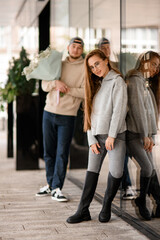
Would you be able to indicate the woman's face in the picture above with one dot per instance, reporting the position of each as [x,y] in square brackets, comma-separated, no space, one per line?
[98,66]
[152,66]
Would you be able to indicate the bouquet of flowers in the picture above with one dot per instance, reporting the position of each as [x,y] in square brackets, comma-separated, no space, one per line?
[45,66]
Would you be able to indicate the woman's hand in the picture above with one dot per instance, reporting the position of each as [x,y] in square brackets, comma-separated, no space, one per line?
[151,145]
[61,86]
[110,143]
[94,148]
[146,143]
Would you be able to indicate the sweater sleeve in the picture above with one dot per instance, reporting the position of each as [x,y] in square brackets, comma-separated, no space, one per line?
[136,102]
[91,139]
[47,86]
[119,101]
[77,92]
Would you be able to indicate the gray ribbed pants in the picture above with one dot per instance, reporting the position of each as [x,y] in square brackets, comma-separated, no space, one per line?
[116,156]
[136,149]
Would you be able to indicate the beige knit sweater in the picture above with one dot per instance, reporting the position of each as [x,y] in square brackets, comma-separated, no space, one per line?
[73,75]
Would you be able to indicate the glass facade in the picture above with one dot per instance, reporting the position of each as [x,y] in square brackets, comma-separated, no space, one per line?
[131,27]
[89,19]
[140,29]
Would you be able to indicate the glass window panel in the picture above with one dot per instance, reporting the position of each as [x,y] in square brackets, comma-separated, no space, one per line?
[140,33]
[140,28]
[69,19]
[105,19]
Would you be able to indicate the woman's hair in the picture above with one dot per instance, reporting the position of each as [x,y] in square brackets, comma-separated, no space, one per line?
[92,85]
[143,58]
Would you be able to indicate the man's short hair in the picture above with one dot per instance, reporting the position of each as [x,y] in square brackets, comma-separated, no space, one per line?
[76,40]
[103,41]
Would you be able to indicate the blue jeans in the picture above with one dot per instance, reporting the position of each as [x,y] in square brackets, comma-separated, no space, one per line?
[57,135]
[126,181]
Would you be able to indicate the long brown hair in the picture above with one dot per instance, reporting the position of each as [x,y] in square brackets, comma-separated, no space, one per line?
[92,85]
[143,58]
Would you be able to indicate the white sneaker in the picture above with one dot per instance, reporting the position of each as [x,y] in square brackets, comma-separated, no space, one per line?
[129,194]
[44,191]
[57,195]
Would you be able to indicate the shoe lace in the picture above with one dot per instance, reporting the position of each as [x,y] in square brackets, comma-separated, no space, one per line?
[129,191]
[59,193]
[45,188]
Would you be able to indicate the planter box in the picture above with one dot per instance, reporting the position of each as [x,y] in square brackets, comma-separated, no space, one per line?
[27,132]
[79,146]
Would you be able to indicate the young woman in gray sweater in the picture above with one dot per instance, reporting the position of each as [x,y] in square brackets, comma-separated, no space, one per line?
[104,120]
[141,125]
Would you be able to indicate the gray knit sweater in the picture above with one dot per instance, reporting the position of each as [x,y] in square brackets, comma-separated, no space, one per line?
[141,115]
[109,108]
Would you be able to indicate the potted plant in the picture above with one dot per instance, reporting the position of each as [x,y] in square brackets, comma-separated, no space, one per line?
[19,89]
[17,85]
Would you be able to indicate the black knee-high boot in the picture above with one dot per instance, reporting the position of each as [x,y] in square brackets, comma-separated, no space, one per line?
[112,188]
[141,200]
[89,188]
[154,189]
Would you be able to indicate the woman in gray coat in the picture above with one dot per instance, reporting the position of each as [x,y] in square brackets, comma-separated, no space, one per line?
[104,120]
[141,125]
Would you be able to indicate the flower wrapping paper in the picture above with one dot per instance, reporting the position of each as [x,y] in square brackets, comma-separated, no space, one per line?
[45,66]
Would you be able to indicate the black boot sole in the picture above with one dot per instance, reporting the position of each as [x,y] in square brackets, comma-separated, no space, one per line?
[88,218]
[104,219]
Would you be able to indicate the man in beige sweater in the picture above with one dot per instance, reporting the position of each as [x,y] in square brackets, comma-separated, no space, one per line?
[62,103]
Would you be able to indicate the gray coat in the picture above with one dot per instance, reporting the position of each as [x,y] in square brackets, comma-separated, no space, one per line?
[141,115]
[109,108]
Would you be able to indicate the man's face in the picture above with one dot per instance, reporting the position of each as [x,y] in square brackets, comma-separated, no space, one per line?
[106,49]
[75,50]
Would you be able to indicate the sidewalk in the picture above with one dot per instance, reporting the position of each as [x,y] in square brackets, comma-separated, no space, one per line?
[25,216]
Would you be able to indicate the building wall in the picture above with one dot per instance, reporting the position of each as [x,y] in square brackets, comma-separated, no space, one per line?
[132,26]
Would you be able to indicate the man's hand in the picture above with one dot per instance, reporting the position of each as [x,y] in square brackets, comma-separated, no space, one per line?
[110,143]
[61,86]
